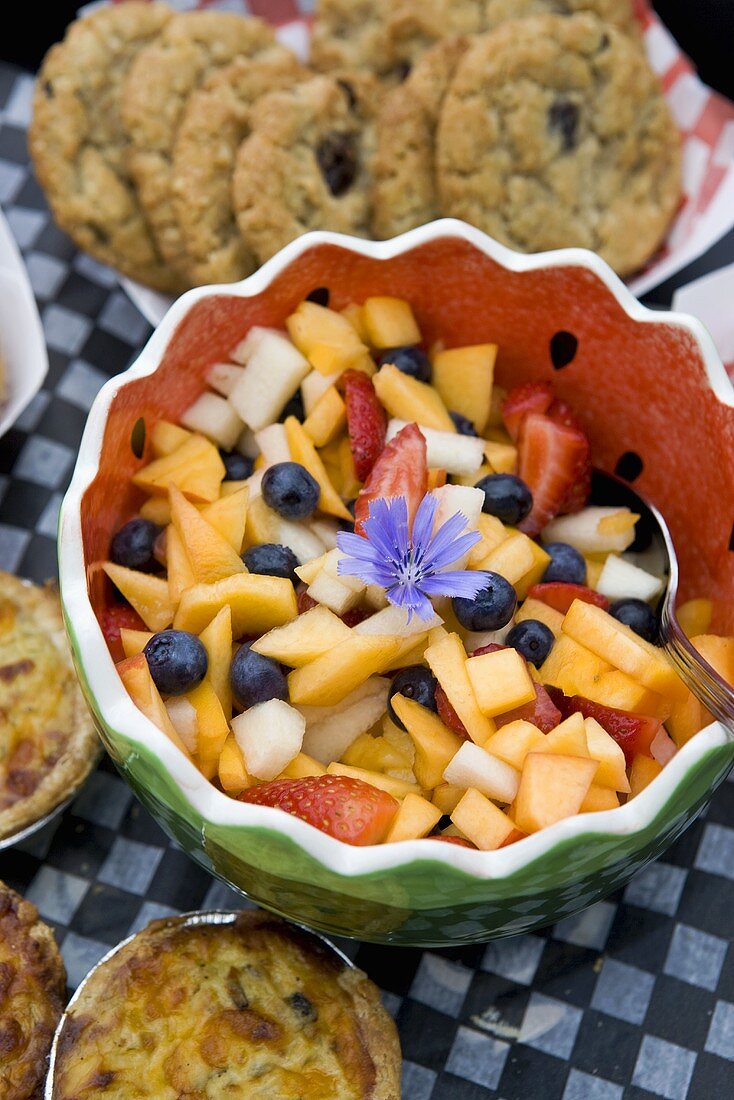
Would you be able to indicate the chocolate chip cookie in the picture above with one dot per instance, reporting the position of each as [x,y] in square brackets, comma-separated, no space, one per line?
[214,124]
[190,49]
[308,162]
[555,132]
[404,165]
[79,146]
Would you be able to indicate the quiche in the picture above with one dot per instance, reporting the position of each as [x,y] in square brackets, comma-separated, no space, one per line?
[32,993]
[47,741]
[248,1008]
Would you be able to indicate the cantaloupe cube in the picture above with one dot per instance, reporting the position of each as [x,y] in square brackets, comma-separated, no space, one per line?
[147,594]
[481,822]
[314,386]
[327,680]
[195,467]
[618,690]
[513,558]
[463,377]
[493,533]
[353,314]
[551,787]
[389,322]
[301,767]
[135,675]
[231,769]
[327,339]
[436,479]
[495,411]
[157,510]
[349,482]
[502,457]
[228,516]
[415,818]
[472,766]
[598,798]
[593,571]
[611,772]
[500,681]
[642,772]
[258,603]
[408,399]
[614,642]
[537,609]
[513,741]
[331,358]
[134,641]
[375,754]
[695,616]
[446,658]
[572,667]
[719,652]
[217,641]
[212,725]
[180,574]
[167,437]
[398,788]
[686,718]
[327,418]
[568,738]
[446,797]
[435,745]
[211,556]
[304,639]
[261,523]
[303,451]
[541,560]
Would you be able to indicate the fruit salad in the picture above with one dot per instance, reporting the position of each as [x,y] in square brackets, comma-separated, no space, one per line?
[366,586]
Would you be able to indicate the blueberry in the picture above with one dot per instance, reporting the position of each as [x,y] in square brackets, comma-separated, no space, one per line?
[177,661]
[290,490]
[272,560]
[409,359]
[463,424]
[237,467]
[415,683]
[567,565]
[532,639]
[506,496]
[490,609]
[133,544]
[255,679]
[294,408]
[638,616]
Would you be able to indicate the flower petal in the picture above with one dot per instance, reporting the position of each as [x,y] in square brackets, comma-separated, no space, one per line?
[423,523]
[354,546]
[411,599]
[440,551]
[370,573]
[458,582]
[460,546]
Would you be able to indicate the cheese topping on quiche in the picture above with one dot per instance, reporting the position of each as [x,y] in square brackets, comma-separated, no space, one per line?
[252,1009]
[47,741]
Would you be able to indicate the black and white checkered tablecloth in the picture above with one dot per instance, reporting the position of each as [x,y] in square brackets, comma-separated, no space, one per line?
[632,998]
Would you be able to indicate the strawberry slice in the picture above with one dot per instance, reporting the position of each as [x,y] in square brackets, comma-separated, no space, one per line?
[114,619]
[527,398]
[542,712]
[551,458]
[347,809]
[447,714]
[634,733]
[366,421]
[560,595]
[401,470]
[560,412]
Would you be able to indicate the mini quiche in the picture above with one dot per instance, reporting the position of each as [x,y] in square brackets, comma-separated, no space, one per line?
[32,988]
[250,1008]
[47,741]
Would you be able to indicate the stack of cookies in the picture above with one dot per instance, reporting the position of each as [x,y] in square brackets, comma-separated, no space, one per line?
[188,148]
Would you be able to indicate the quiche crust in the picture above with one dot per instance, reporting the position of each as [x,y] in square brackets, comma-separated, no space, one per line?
[48,743]
[253,1007]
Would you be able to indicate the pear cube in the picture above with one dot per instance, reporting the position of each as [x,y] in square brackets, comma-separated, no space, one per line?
[273,373]
[456,454]
[269,735]
[473,767]
[331,730]
[215,418]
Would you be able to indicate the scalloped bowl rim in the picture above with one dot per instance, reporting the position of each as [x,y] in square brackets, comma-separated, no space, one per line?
[119,713]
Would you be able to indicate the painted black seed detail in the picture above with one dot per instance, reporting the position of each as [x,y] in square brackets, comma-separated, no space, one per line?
[338,161]
[137,438]
[731,539]
[563,348]
[629,466]
[563,119]
[302,1006]
[320,295]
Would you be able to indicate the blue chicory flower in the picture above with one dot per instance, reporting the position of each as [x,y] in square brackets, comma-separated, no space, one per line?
[411,565]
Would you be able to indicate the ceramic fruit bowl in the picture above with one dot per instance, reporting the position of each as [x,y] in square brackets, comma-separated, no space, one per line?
[657,405]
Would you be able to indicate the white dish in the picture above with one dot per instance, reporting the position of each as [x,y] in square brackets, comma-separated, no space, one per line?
[22,343]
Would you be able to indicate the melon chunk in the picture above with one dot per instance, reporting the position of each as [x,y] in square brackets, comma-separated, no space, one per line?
[389,322]
[474,767]
[718,652]
[314,386]
[211,556]
[463,378]
[447,797]
[301,767]
[303,451]
[211,724]
[258,603]
[379,755]
[614,642]
[262,525]
[493,532]
[269,735]
[326,419]
[394,620]
[502,457]
[215,418]
[408,399]
[500,681]
[598,798]
[180,573]
[513,558]
[231,768]
[513,741]
[543,612]
[327,680]
[273,373]
[611,772]
[572,667]
[195,467]
[147,594]
[228,516]
[446,658]
[398,788]
[331,730]
[551,788]
[569,739]
[303,639]
[135,675]
[449,451]
[435,745]
[223,377]
[621,580]
[415,818]
[167,437]
[594,530]
[642,772]
[134,641]
[481,822]
[328,340]
[217,641]
[695,616]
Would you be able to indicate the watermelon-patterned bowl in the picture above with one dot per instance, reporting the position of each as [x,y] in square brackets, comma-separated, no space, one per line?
[646,384]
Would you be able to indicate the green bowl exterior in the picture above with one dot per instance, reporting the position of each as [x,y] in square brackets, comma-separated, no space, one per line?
[399,905]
